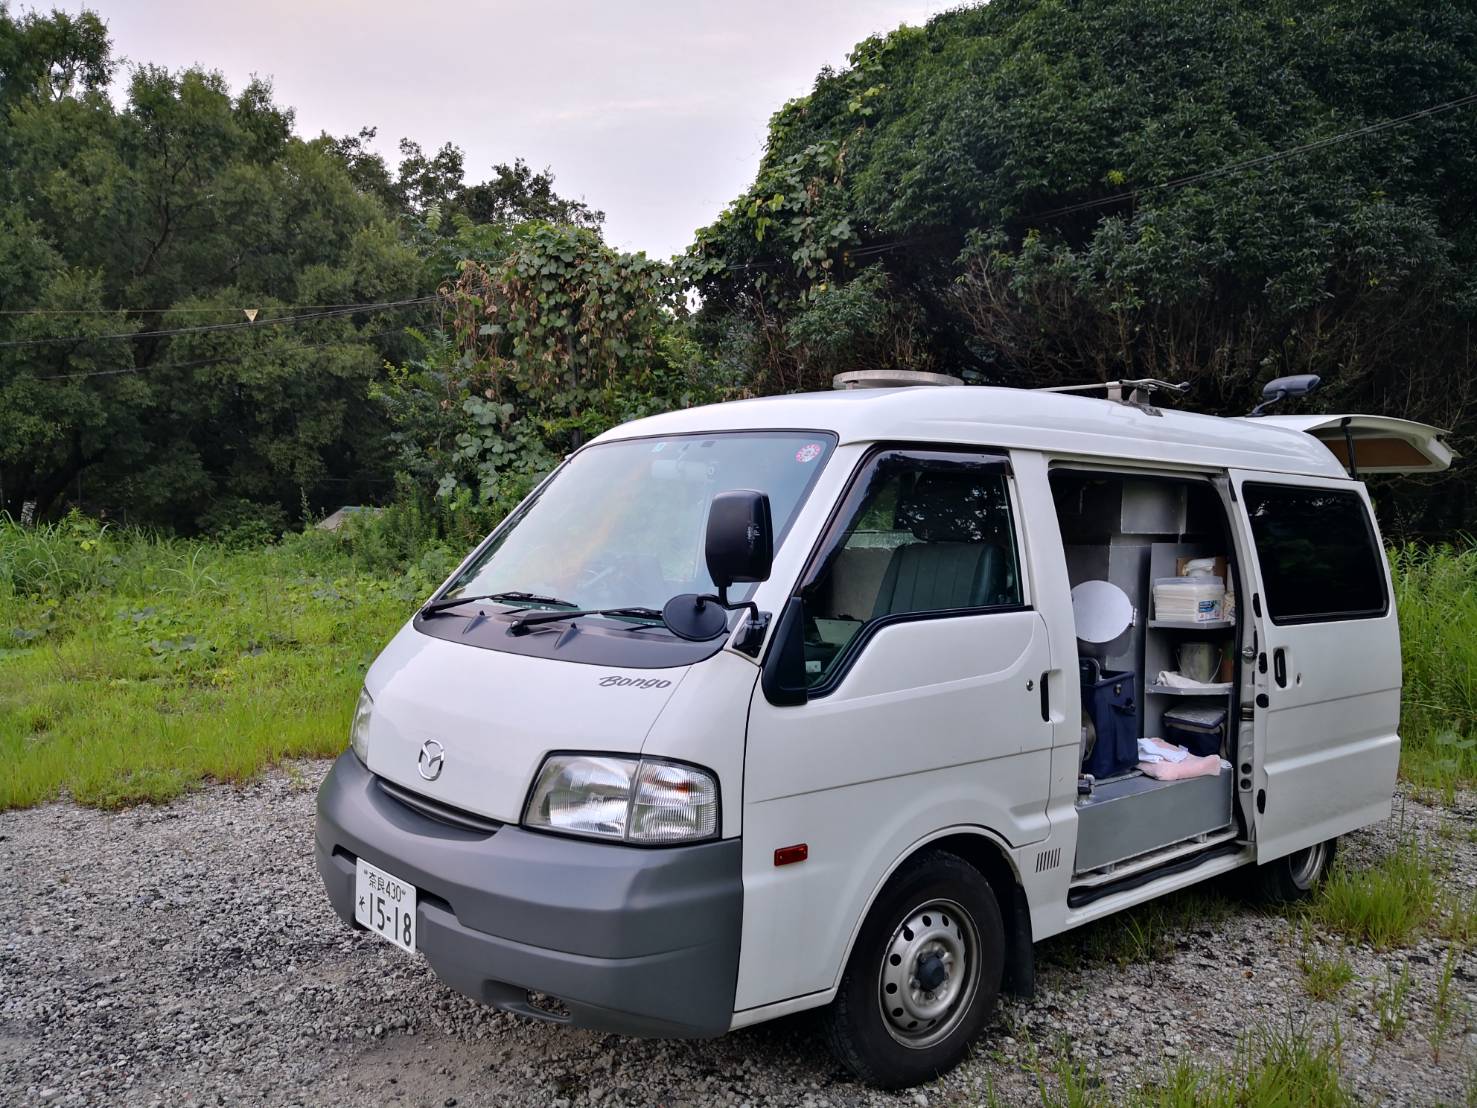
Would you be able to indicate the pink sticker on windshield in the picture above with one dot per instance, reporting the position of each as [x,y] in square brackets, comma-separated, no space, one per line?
[809,452]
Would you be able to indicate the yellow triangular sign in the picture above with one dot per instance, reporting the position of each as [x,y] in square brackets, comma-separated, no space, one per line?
[250,314]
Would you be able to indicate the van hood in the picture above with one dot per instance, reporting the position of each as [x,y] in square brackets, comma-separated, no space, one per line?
[496,715]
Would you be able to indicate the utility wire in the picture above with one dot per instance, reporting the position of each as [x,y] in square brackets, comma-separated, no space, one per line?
[175,311]
[1261,160]
[347,340]
[874,249]
[208,328]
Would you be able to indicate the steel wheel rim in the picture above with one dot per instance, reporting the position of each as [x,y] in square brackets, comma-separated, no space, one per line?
[937,936]
[1307,865]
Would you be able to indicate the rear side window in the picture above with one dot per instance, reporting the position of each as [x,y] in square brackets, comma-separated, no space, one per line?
[1317,553]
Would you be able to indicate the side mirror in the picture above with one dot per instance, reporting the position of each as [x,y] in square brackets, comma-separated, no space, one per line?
[740,548]
[740,541]
[1300,384]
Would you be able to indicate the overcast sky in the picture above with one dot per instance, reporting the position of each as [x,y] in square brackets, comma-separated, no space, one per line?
[652,110]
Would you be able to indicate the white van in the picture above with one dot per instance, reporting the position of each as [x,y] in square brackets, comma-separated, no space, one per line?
[783,703]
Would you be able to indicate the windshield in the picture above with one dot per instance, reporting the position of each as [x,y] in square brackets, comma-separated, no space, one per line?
[623,523]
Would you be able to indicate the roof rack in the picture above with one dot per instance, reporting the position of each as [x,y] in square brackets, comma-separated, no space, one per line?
[1137,393]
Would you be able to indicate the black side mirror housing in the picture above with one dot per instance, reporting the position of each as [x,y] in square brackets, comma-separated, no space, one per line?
[740,539]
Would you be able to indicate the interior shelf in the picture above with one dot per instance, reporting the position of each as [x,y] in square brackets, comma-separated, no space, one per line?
[1204,690]
[1185,625]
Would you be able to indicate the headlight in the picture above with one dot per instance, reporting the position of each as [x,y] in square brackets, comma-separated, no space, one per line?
[638,800]
[359,729]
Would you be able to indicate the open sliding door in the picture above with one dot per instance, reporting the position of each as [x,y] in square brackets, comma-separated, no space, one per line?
[1327,667]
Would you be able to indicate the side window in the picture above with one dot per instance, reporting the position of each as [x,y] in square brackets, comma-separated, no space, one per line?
[920,533]
[1317,553]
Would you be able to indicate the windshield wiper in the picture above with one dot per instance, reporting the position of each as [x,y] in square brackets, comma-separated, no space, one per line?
[533,619]
[497,597]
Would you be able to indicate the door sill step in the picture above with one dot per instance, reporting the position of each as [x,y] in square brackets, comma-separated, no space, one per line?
[1153,859]
[1079,896]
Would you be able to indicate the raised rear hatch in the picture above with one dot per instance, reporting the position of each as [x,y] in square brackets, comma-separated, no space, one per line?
[1380,444]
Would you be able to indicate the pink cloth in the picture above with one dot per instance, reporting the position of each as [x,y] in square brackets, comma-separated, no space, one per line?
[1193,766]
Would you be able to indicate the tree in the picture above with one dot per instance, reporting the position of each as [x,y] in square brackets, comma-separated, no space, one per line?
[152,226]
[1002,194]
[544,345]
[48,57]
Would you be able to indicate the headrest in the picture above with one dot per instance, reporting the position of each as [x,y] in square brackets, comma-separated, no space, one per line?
[951,507]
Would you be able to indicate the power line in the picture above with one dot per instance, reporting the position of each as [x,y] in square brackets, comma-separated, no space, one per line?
[874,249]
[222,359]
[1252,163]
[210,328]
[174,310]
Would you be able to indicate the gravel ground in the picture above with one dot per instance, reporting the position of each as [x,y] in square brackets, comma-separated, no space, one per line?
[143,964]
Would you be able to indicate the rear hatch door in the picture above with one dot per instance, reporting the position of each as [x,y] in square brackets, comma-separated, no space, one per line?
[1380,444]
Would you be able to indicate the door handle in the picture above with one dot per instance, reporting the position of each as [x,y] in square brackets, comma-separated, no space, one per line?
[1045,696]
[1279,667]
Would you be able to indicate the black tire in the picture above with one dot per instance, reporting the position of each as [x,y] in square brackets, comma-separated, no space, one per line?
[960,949]
[1294,877]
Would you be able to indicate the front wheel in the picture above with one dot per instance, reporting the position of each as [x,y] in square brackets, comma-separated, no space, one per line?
[924,976]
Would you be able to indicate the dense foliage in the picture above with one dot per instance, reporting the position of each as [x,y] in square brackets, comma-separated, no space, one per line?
[984,196]
[1028,193]
[548,340]
[186,208]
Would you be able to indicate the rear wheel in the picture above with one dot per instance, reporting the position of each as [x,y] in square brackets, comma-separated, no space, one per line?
[924,976]
[1297,875]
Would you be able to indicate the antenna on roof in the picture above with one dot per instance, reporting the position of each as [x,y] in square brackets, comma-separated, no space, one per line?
[1137,393]
[1282,387]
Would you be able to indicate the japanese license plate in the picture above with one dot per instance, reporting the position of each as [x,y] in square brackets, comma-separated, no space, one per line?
[385,904]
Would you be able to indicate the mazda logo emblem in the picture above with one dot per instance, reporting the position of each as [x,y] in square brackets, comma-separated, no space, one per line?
[432,757]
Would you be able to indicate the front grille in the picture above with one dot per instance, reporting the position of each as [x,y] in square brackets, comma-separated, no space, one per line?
[434,809]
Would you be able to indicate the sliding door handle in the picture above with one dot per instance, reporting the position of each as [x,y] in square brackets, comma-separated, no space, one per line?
[1279,667]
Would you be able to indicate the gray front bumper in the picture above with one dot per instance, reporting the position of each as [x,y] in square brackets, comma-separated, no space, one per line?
[631,940]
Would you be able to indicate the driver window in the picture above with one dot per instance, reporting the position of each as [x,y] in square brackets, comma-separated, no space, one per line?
[923,534]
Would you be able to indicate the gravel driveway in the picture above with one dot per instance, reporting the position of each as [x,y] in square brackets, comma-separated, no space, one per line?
[186,954]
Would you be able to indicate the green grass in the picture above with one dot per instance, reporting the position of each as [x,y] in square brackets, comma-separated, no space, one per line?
[1151,932]
[1458,917]
[1436,593]
[132,667]
[1385,905]
[1273,1069]
[1325,978]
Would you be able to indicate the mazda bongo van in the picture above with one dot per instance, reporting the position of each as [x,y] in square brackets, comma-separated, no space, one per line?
[845,700]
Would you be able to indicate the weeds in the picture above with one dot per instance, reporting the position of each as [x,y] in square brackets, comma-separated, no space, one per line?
[1436,593]
[1448,1014]
[146,665]
[1151,932]
[1390,1004]
[1384,905]
[1458,917]
[1325,978]
[1283,1068]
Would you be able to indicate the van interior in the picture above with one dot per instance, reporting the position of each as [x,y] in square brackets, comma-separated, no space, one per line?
[1150,561]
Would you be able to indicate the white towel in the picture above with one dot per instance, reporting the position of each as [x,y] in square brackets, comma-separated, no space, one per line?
[1157,750]
[1174,679]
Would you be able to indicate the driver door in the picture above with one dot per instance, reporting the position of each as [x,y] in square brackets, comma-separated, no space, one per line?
[924,658]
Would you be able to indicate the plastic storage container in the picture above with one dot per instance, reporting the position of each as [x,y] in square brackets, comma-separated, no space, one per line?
[1108,701]
[1200,730]
[1189,599]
